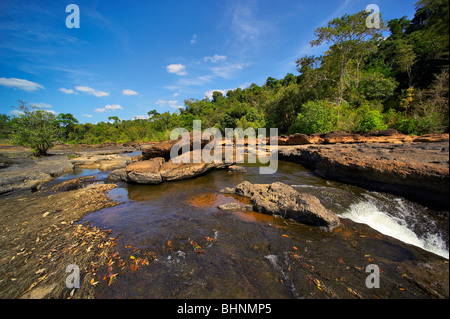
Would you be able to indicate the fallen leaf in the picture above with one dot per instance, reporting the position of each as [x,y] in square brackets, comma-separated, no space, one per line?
[93,283]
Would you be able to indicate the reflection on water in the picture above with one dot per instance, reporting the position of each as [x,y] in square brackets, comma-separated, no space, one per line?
[203,252]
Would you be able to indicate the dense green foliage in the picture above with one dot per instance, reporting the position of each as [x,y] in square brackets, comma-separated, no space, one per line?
[365,81]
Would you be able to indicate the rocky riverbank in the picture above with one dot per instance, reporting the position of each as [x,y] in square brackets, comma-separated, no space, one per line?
[416,167]
[22,174]
[40,238]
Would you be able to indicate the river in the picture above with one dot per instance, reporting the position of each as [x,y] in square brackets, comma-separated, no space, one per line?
[182,246]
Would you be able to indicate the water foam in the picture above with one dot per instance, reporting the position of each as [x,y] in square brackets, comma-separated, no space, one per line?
[368,213]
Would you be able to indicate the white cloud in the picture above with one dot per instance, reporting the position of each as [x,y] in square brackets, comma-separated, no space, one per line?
[109,107]
[215,58]
[42,105]
[67,91]
[227,71]
[20,84]
[178,69]
[172,104]
[89,90]
[129,92]
[87,115]
[209,93]
[176,94]
[141,117]
[197,81]
[16,112]
[194,39]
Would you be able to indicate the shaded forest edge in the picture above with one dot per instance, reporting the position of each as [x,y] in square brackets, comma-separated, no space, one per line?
[366,81]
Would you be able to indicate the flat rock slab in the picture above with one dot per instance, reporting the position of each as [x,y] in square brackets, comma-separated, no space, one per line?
[419,171]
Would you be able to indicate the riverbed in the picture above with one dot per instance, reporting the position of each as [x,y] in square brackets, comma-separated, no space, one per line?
[173,242]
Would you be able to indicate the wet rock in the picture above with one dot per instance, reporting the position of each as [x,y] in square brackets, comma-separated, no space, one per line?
[118,175]
[236,169]
[74,184]
[27,175]
[231,207]
[281,199]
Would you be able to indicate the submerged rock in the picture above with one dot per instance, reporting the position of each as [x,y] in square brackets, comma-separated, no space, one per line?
[236,169]
[281,199]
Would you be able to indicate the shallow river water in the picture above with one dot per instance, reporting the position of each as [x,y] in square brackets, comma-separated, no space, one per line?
[183,246]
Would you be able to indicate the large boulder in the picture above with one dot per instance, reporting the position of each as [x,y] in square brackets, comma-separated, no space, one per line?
[157,170]
[145,172]
[281,199]
[162,149]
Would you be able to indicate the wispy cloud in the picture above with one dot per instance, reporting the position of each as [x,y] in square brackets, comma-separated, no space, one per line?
[178,69]
[215,58]
[248,28]
[22,84]
[91,91]
[109,107]
[141,117]
[67,91]
[227,71]
[42,105]
[87,115]
[194,39]
[200,80]
[172,104]
[129,92]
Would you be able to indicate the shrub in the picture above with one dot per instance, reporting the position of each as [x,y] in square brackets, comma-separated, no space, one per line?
[315,117]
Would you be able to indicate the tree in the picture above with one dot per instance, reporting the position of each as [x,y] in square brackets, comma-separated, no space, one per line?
[67,122]
[398,27]
[4,126]
[404,59]
[351,39]
[35,128]
[285,107]
[217,96]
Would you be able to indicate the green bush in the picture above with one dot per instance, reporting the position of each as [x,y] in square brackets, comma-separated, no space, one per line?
[371,120]
[316,117]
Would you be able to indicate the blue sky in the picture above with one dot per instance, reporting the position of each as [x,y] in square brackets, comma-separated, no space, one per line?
[130,57]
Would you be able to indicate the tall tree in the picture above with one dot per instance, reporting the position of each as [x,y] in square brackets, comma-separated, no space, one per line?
[351,39]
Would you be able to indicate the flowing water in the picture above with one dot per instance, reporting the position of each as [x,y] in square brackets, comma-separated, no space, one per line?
[182,246]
